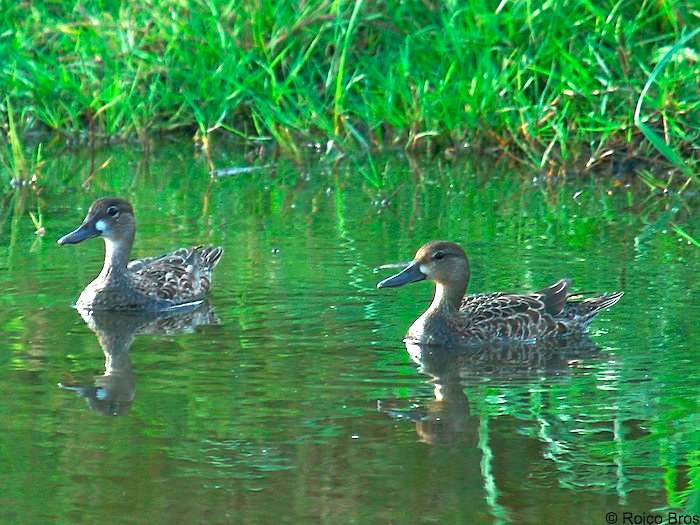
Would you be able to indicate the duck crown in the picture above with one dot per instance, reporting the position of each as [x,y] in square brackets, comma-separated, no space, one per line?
[109,207]
[437,251]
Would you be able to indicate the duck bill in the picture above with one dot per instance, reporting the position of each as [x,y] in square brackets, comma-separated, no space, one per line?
[410,274]
[86,231]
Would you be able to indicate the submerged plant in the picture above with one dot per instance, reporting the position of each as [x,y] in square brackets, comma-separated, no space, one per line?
[22,171]
[38,221]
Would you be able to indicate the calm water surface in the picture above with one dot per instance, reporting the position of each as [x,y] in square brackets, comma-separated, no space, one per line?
[298,402]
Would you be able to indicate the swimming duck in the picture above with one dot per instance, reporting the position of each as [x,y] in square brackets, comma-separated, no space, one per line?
[178,279]
[456,319]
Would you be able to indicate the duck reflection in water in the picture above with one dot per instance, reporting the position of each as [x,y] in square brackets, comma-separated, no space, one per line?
[113,392]
[447,418]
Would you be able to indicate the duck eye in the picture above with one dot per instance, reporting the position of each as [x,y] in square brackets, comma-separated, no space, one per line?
[439,255]
[113,211]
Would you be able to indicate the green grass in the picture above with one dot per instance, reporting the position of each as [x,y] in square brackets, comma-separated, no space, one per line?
[553,84]
[22,171]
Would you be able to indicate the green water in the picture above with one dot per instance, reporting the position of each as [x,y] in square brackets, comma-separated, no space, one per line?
[301,404]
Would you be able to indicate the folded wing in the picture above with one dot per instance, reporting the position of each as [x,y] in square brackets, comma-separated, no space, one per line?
[181,276]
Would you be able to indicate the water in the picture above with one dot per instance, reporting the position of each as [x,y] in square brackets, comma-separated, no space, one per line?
[301,404]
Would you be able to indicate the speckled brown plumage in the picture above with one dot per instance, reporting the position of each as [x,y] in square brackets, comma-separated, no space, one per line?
[175,279]
[485,317]
[455,319]
[183,275]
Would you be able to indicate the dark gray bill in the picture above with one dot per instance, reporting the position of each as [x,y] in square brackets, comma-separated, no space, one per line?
[86,231]
[410,274]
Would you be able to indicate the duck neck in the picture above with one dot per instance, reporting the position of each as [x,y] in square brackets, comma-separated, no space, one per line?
[116,352]
[448,297]
[116,257]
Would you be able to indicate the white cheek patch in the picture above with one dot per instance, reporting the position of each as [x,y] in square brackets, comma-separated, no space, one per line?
[424,269]
[101,226]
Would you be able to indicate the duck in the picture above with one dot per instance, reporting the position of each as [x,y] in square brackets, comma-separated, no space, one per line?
[175,280]
[456,319]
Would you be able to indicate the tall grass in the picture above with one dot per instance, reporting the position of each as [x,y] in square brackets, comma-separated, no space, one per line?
[547,82]
[660,144]
[22,171]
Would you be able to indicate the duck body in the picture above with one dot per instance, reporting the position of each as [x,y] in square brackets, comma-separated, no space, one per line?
[454,319]
[493,317]
[174,280]
[178,279]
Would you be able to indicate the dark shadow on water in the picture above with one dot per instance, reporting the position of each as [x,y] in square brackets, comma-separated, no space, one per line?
[447,418]
[112,393]
[448,422]
[504,360]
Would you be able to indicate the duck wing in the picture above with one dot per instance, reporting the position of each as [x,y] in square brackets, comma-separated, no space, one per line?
[517,316]
[181,276]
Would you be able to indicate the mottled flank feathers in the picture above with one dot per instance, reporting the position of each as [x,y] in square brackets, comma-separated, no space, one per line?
[456,319]
[181,276]
[176,280]
[552,311]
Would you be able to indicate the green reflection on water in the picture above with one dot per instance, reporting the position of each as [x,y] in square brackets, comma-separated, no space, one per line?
[302,404]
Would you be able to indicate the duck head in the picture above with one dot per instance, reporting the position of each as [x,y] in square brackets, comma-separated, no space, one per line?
[110,218]
[442,262]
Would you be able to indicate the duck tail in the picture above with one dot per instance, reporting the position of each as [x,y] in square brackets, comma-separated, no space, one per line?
[211,256]
[583,311]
